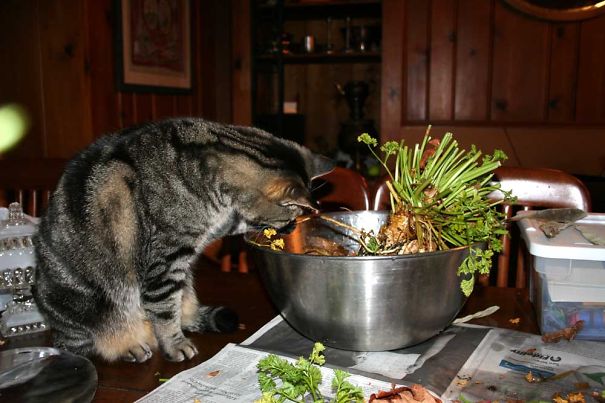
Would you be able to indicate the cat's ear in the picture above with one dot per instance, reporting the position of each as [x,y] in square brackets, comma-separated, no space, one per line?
[321,165]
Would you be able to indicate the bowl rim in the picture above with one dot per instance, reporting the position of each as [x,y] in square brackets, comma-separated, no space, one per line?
[249,242]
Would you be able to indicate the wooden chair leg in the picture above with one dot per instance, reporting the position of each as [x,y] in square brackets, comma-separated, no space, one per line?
[242,263]
[226,263]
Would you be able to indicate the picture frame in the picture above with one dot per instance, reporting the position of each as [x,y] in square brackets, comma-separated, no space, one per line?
[153,46]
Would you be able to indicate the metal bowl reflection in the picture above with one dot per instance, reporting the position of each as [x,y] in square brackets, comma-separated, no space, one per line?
[362,303]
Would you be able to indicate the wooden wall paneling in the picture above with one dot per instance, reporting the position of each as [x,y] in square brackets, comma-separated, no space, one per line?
[223,64]
[144,107]
[520,66]
[392,88]
[563,69]
[105,113]
[128,113]
[66,89]
[184,105]
[241,77]
[196,57]
[591,75]
[20,78]
[207,39]
[473,57]
[442,67]
[165,106]
[417,50]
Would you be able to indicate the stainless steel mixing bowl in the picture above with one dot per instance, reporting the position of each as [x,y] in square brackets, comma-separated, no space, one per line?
[356,302]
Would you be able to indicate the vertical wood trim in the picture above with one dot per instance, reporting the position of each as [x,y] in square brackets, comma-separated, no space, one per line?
[196,101]
[242,54]
[392,68]
[473,57]
[490,67]
[417,27]
[520,61]
[563,72]
[454,61]
[591,73]
[548,70]
[104,98]
[442,55]
[44,134]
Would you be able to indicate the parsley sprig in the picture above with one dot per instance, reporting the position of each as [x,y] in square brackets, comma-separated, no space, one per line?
[282,381]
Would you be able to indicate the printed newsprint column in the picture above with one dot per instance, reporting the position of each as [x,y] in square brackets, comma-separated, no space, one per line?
[498,367]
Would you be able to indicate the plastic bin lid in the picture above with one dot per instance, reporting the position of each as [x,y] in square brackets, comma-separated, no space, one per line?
[569,244]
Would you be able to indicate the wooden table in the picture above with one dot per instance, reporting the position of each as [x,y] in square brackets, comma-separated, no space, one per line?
[126,382]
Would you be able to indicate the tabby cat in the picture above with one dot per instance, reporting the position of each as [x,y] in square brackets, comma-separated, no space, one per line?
[135,208]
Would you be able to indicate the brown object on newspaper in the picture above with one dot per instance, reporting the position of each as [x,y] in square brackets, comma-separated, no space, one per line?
[569,333]
[417,393]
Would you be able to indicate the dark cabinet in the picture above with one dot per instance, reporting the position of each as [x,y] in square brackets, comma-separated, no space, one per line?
[306,56]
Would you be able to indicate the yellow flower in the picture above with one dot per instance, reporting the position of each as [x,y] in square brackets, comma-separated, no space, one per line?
[277,244]
[269,232]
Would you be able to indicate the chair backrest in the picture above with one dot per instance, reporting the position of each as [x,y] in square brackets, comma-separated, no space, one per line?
[29,182]
[342,188]
[534,188]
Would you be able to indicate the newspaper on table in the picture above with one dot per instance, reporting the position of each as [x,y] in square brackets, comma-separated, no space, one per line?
[498,368]
[230,376]
[433,363]
[465,363]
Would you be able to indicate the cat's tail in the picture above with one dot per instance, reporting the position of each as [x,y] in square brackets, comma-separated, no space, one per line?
[218,319]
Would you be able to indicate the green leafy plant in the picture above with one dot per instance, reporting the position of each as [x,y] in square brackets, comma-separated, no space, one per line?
[282,381]
[439,200]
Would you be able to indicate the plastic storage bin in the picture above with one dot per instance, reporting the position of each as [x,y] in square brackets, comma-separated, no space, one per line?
[568,277]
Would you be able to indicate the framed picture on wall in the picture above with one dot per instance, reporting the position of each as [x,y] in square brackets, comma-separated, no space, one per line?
[153,45]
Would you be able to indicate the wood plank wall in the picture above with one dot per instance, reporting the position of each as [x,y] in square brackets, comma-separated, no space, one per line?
[479,61]
[57,60]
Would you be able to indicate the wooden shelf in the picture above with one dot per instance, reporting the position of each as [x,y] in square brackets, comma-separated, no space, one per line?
[306,10]
[317,58]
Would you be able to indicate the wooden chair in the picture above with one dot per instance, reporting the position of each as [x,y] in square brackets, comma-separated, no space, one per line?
[341,189]
[29,182]
[534,188]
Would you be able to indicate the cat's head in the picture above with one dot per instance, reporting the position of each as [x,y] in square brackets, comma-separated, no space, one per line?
[273,177]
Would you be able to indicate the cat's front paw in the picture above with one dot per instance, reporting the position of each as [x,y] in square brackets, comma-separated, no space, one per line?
[180,350]
[140,353]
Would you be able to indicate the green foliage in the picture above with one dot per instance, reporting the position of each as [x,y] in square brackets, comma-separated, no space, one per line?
[446,189]
[345,391]
[282,381]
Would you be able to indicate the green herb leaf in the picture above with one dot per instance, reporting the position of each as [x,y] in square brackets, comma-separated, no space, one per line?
[282,381]
[444,191]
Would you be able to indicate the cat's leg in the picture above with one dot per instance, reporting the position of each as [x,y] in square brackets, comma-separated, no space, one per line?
[130,341]
[202,318]
[162,300]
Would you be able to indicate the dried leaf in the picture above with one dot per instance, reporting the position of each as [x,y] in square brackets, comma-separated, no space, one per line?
[552,228]
[553,214]
[594,234]
[569,333]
